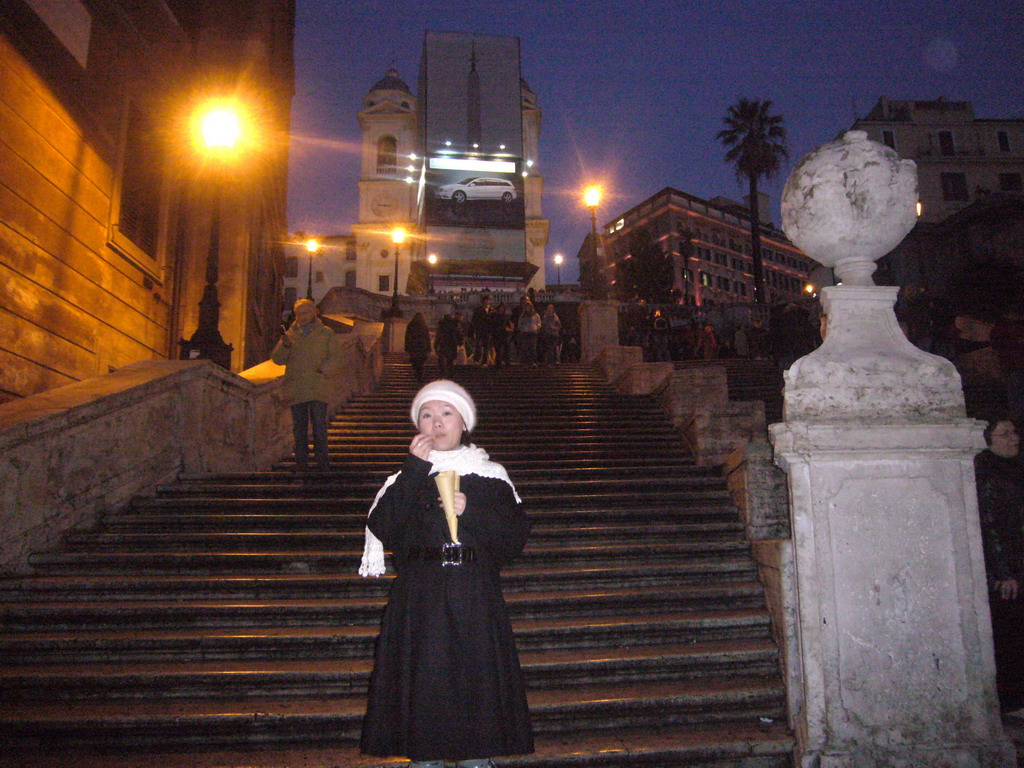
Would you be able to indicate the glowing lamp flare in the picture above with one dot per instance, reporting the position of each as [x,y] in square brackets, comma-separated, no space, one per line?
[558,259]
[221,127]
[312,245]
[398,236]
[432,258]
[592,196]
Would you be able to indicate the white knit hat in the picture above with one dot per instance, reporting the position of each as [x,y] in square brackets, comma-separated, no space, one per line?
[448,392]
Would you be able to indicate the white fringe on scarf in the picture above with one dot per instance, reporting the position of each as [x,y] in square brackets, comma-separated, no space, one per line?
[466,460]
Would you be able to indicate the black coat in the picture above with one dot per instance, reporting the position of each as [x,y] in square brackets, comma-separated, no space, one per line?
[1001,510]
[446,682]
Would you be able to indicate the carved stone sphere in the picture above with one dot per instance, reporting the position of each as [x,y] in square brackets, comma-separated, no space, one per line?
[848,203]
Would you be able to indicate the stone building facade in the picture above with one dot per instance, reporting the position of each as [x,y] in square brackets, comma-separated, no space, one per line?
[394,190]
[106,209]
[959,157]
[709,242]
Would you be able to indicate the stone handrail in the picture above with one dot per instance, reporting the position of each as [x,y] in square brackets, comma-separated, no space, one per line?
[74,452]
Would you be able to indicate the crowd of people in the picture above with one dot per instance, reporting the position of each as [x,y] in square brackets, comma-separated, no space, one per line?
[494,336]
[788,331]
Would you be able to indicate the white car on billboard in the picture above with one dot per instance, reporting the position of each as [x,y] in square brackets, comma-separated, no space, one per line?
[478,188]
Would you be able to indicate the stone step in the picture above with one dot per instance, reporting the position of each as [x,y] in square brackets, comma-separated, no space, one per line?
[339,532]
[536,468]
[714,519]
[226,721]
[539,503]
[184,611]
[736,744]
[205,560]
[717,576]
[326,486]
[331,677]
[185,644]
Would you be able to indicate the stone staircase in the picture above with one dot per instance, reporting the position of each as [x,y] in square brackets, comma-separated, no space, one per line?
[225,612]
[750,379]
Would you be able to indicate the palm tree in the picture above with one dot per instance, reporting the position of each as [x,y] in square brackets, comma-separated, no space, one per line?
[756,140]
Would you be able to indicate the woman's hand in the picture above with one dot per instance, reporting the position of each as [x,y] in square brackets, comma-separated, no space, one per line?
[1007,589]
[421,446]
[460,503]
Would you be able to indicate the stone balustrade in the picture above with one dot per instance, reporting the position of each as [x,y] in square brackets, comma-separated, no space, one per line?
[71,453]
[697,400]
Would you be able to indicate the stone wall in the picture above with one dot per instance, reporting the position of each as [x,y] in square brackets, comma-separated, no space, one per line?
[74,452]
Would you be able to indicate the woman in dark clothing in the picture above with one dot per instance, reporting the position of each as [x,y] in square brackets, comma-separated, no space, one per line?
[1000,478]
[446,682]
[447,343]
[417,343]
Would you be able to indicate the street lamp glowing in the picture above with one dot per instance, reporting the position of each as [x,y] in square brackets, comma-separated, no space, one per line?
[432,258]
[592,196]
[398,236]
[558,259]
[809,288]
[221,128]
[312,245]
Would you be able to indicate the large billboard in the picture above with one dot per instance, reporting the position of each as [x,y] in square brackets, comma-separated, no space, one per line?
[473,192]
[471,130]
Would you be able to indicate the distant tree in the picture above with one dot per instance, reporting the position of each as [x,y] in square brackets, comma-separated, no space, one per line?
[756,143]
[645,272]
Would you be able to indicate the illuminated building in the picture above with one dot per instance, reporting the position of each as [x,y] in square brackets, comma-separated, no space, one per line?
[457,168]
[108,208]
[960,158]
[709,243]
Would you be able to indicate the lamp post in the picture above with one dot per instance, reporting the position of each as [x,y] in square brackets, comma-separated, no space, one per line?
[397,237]
[591,198]
[313,246]
[219,129]
[558,267]
[432,261]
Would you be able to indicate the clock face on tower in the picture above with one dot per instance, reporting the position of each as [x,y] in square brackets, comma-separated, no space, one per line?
[384,205]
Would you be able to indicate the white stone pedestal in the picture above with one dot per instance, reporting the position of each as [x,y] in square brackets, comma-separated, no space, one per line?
[896,664]
[599,327]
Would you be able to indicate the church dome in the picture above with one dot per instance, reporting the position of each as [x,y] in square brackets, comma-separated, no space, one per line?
[391,82]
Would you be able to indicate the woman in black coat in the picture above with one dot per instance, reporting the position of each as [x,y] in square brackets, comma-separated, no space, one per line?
[446,682]
[1000,477]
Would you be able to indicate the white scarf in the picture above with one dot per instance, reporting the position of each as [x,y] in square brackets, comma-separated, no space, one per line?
[466,460]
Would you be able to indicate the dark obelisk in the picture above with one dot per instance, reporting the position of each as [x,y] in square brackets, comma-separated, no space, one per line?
[474,133]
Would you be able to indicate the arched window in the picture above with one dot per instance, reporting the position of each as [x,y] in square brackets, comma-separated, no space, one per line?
[387,154]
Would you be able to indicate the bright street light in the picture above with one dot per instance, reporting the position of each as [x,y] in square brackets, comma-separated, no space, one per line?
[592,197]
[398,236]
[312,246]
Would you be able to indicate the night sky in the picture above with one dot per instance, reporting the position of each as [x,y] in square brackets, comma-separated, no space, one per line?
[633,93]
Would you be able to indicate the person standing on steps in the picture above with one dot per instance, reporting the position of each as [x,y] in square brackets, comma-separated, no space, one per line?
[999,473]
[446,683]
[417,344]
[311,354]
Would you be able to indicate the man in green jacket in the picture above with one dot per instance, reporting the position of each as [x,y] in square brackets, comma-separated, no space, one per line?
[311,354]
